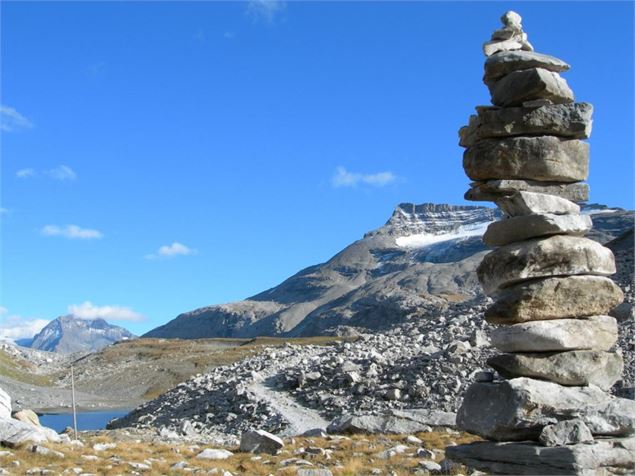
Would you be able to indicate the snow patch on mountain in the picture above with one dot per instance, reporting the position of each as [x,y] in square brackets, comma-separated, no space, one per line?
[421,240]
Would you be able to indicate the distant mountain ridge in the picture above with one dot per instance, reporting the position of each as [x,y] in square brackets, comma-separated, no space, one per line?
[420,262]
[69,334]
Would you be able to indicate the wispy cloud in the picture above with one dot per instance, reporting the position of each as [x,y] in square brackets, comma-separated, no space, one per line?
[25,173]
[18,327]
[265,11]
[170,251]
[87,310]
[344,178]
[12,121]
[60,173]
[72,232]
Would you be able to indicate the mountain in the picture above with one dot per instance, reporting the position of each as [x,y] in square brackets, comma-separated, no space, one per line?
[420,262]
[68,334]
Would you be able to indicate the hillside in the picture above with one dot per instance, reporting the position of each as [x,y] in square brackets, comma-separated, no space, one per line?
[419,263]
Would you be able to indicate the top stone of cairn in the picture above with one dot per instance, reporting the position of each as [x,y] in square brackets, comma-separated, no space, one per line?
[509,38]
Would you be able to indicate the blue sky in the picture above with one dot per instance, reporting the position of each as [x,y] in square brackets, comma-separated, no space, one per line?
[159,157]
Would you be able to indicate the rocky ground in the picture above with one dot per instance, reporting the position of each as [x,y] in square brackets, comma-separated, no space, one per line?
[134,452]
[421,363]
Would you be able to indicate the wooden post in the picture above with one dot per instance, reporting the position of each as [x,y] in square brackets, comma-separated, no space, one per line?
[73,398]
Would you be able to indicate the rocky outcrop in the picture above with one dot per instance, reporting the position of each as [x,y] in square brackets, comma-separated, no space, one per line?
[549,284]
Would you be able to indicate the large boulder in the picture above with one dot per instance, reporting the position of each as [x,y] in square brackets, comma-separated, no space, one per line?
[5,404]
[571,121]
[531,203]
[503,63]
[493,190]
[554,298]
[530,84]
[393,421]
[14,433]
[592,333]
[544,158]
[605,457]
[577,367]
[558,255]
[260,441]
[522,228]
[518,409]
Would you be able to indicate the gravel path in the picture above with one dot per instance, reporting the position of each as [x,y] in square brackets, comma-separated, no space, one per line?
[300,418]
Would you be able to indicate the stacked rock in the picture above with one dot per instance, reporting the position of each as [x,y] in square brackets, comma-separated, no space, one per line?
[550,284]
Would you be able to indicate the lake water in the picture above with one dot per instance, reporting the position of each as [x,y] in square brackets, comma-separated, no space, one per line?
[85,420]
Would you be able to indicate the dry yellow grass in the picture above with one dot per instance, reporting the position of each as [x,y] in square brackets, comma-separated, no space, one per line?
[352,456]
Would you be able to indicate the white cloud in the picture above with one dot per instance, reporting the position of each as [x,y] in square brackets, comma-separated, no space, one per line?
[72,232]
[87,310]
[25,173]
[3,310]
[265,10]
[61,173]
[17,327]
[12,121]
[344,178]
[170,251]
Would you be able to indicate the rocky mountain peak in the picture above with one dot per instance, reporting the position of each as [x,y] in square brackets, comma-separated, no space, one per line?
[410,219]
[70,333]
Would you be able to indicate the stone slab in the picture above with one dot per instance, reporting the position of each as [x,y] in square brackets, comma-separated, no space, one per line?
[529,85]
[544,158]
[558,255]
[518,409]
[571,121]
[522,228]
[554,298]
[604,457]
[503,63]
[578,367]
[493,190]
[532,203]
[592,333]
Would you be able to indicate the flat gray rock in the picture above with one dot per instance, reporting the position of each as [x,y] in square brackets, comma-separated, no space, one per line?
[543,158]
[528,85]
[522,228]
[577,367]
[558,255]
[518,41]
[503,63]
[554,298]
[518,409]
[592,333]
[605,457]
[566,432]
[572,121]
[493,190]
[394,422]
[531,203]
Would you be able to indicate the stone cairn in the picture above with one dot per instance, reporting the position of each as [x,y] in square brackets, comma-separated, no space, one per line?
[551,413]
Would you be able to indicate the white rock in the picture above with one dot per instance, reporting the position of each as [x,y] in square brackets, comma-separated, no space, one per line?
[213,453]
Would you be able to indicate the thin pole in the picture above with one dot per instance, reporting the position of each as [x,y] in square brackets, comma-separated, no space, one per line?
[73,397]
